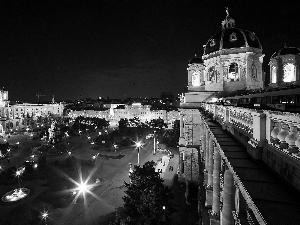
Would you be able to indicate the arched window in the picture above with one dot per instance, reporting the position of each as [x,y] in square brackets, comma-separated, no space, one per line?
[274,74]
[196,78]
[233,72]
[212,74]
[253,72]
[289,72]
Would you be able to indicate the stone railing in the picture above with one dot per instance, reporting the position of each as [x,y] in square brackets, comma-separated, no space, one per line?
[241,118]
[282,132]
[238,183]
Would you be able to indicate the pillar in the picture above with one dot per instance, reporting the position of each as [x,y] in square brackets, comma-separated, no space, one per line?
[181,125]
[206,149]
[216,183]
[210,162]
[209,186]
[228,196]
[204,143]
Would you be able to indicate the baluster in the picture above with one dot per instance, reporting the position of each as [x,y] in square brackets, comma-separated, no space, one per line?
[274,133]
[282,135]
[291,138]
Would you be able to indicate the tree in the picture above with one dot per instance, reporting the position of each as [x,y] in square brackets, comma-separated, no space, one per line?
[147,200]
[158,123]
[123,125]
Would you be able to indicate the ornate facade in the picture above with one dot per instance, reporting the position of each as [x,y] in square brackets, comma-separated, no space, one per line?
[232,61]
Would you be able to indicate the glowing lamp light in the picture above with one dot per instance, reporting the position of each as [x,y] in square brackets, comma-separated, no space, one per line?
[35,165]
[138,144]
[82,187]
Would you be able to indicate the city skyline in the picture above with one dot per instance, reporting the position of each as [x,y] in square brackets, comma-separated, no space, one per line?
[76,50]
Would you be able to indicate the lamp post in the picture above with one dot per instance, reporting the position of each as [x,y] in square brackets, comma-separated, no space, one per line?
[115,147]
[130,171]
[138,145]
[154,144]
[45,215]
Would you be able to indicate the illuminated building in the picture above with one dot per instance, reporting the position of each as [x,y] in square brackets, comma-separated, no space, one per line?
[122,111]
[231,154]
[284,67]
[13,116]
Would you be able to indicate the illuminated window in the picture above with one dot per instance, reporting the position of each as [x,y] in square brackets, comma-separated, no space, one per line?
[212,74]
[233,73]
[253,72]
[274,74]
[196,78]
[289,72]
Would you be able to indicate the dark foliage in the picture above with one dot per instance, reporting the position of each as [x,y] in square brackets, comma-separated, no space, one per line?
[147,200]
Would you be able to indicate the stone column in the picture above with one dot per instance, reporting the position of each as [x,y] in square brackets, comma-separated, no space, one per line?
[228,196]
[216,183]
[207,148]
[210,162]
[181,125]
[204,143]
[209,194]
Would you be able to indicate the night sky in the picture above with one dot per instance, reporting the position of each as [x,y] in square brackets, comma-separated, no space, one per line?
[78,49]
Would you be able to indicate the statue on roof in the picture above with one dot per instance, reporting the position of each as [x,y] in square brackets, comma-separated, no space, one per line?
[228,22]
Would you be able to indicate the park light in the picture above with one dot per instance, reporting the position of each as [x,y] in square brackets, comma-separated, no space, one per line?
[138,144]
[83,187]
[44,216]
[35,165]
[100,133]
[164,207]
[8,150]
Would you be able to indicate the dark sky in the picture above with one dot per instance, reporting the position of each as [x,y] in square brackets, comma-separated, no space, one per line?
[77,49]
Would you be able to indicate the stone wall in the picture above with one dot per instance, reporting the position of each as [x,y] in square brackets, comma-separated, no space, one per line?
[191,165]
[283,164]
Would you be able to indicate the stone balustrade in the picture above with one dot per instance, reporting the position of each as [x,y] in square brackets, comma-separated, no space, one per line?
[221,178]
[279,129]
[282,132]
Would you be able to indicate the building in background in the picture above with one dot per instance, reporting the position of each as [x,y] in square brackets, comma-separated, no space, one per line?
[13,117]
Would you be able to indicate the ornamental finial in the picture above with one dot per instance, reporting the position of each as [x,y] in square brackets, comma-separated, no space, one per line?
[227,12]
[228,22]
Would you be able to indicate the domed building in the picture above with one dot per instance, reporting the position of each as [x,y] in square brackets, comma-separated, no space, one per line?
[233,59]
[285,67]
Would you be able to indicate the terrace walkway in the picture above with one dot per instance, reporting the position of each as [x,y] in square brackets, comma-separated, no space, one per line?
[275,199]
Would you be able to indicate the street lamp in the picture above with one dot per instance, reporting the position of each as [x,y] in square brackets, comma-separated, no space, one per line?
[138,145]
[45,215]
[130,171]
[115,147]
[164,209]
[154,145]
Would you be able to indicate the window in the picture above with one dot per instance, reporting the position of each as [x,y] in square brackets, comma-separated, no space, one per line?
[196,78]
[274,74]
[233,72]
[289,71]
[212,74]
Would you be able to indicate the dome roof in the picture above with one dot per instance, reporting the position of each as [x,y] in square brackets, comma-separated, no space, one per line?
[286,51]
[196,60]
[231,37]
